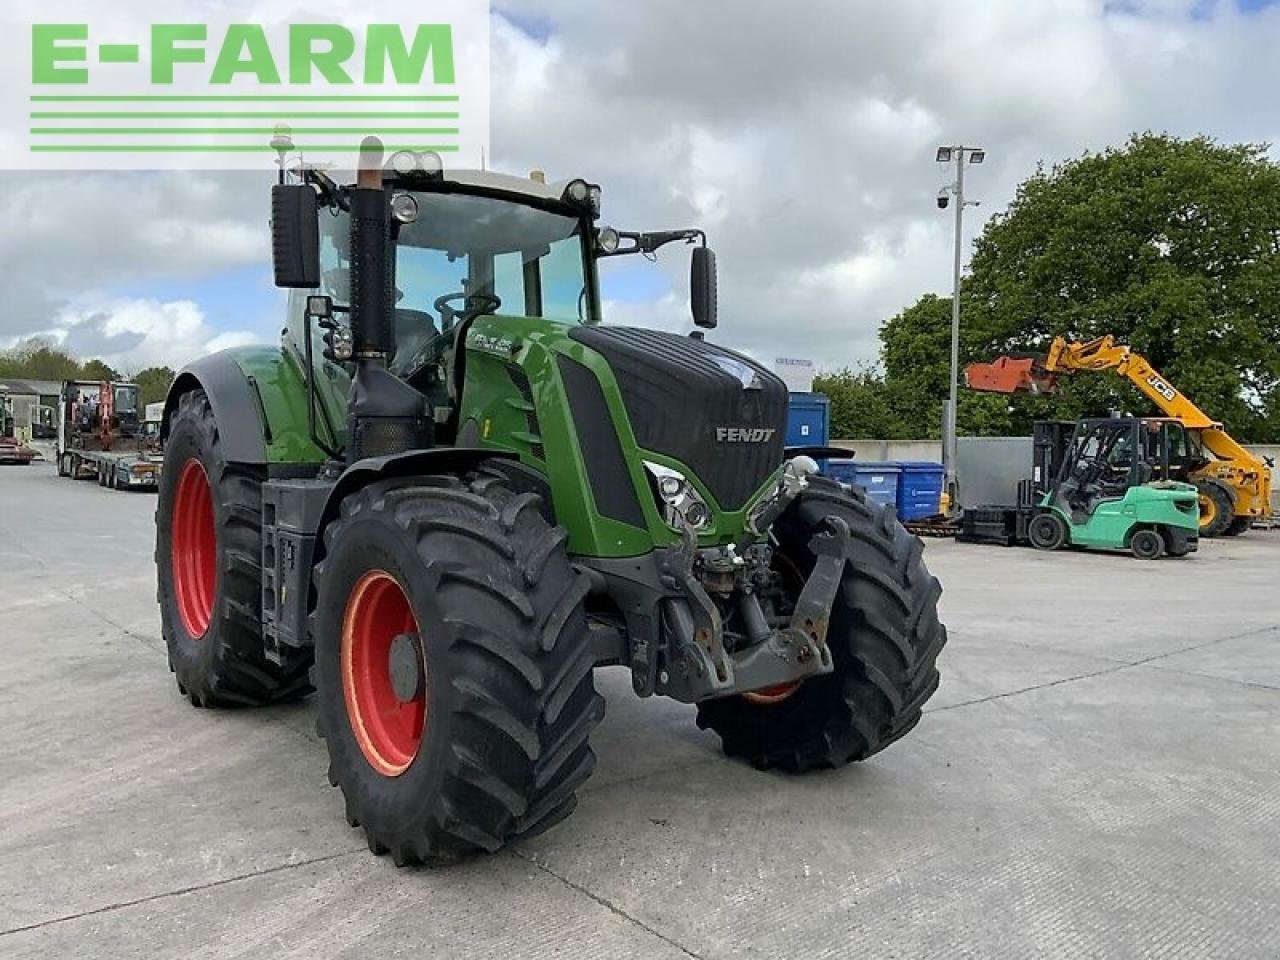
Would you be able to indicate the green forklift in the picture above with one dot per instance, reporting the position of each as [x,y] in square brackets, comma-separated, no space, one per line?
[452,492]
[1099,484]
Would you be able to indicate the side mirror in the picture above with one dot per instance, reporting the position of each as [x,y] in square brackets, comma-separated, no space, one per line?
[702,287]
[295,236]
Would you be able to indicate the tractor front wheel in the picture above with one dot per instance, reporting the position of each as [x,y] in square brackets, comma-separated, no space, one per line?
[209,569]
[453,667]
[884,636]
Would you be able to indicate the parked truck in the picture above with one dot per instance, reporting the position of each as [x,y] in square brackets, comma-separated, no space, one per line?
[101,436]
[12,450]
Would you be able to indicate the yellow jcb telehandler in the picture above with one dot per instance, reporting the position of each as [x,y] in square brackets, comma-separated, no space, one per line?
[1235,485]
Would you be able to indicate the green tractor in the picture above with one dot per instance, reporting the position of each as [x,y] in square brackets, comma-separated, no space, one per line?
[1108,488]
[451,493]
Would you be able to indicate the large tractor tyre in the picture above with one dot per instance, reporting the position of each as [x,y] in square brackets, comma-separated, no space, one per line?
[209,568]
[453,667]
[884,636]
[64,465]
[1047,531]
[1217,508]
[1237,526]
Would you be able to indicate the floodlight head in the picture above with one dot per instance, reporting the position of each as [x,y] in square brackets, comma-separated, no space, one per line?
[977,156]
[944,155]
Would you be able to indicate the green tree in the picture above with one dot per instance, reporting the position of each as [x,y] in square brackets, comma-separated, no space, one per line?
[98,370]
[860,405]
[153,384]
[1172,245]
[38,359]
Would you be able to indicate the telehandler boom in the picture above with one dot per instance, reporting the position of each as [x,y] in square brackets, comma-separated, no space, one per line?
[1235,486]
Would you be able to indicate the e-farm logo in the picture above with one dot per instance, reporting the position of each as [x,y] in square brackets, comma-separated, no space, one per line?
[118,88]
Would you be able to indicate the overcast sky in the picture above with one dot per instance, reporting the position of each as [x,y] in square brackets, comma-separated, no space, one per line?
[800,136]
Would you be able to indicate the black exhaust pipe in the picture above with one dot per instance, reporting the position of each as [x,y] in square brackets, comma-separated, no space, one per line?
[386,415]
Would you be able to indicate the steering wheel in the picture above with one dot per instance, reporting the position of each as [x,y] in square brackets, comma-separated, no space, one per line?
[473,304]
[1085,471]
[434,350]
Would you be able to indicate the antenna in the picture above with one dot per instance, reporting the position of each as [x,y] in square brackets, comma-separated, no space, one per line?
[282,144]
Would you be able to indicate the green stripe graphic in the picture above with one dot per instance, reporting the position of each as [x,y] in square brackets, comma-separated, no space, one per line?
[243,131]
[219,148]
[171,115]
[244,98]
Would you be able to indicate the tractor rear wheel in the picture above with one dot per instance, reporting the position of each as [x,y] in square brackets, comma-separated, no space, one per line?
[1217,508]
[453,667]
[209,568]
[884,636]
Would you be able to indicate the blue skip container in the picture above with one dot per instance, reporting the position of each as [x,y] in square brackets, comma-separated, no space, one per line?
[919,489]
[879,479]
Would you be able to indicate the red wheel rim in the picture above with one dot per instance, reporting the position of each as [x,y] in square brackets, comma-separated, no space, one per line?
[772,694]
[194,544]
[388,729]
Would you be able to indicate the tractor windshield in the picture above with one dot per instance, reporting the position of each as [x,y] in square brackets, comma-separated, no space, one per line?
[534,261]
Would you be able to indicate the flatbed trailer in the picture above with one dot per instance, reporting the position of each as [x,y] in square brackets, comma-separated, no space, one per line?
[100,436]
[119,469]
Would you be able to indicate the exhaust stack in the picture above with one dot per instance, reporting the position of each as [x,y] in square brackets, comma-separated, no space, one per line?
[387,416]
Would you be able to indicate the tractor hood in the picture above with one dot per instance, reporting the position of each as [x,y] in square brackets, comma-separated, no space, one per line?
[716,411]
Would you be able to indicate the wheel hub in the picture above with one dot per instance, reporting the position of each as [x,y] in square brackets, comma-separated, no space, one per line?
[404,663]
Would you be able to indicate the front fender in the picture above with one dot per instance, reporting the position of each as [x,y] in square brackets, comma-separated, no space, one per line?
[259,399]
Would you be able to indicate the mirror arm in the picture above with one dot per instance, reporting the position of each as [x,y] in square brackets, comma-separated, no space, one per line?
[650,242]
[330,192]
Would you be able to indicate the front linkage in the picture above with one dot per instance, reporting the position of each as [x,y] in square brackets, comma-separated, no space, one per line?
[678,600]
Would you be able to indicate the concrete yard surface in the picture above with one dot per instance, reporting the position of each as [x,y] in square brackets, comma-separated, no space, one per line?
[1098,776]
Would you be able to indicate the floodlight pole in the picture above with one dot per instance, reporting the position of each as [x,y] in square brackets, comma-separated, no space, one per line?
[949,421]
[959,154]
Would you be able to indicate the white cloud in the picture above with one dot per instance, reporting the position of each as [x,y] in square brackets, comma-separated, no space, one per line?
[131,334]
[800,136]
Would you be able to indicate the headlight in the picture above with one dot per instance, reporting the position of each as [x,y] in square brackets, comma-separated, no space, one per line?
[404,207]
[608,240]
[404,162]
[681,504]
[409,163]
[583,194]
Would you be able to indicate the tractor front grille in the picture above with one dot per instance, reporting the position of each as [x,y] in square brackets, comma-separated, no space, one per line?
[721,413]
